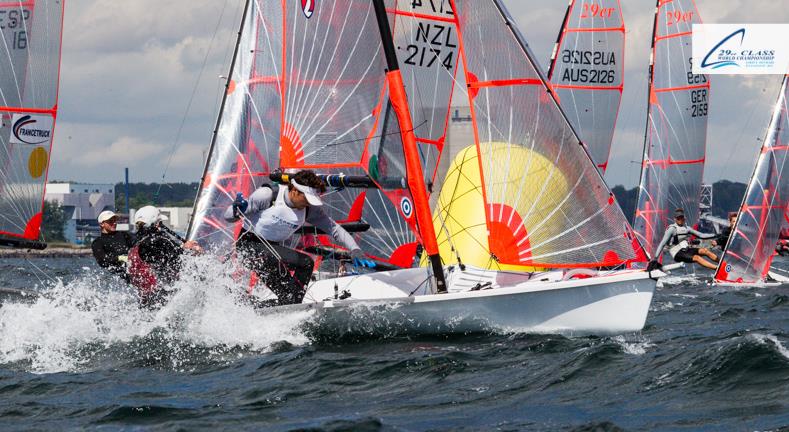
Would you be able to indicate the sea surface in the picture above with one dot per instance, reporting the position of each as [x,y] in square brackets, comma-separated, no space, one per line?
[83,356]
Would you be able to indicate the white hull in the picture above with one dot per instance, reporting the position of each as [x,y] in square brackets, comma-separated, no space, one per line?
[380,303]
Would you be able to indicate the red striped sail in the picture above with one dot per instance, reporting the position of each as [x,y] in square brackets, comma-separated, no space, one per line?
[676,133]
[751,247]
[546,204]
[30,64]
[587,72]
[313,93]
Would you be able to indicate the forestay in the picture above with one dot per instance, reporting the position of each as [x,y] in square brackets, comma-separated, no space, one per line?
[308,90]
[587,72]
[545,202]
[676,132]
[30,65]
[751,246]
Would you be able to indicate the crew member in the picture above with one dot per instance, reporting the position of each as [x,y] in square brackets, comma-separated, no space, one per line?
[272,215]
[723,237]
[112,247]
[155,259]
[676,239]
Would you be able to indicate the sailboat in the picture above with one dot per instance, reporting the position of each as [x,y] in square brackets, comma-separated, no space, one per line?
[676,129]
[30,61]
[750,250]
[360,91]
[587,72]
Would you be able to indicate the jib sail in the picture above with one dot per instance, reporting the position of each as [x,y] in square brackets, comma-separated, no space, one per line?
[751,247]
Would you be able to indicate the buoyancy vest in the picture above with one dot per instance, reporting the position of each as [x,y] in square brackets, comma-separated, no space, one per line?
[141,275]
[679,240]
[280,221]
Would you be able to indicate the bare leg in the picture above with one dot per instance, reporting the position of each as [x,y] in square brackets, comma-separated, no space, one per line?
[707,253]
[704,263]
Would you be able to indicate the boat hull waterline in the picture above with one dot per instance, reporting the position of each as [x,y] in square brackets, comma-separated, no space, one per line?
[604,305]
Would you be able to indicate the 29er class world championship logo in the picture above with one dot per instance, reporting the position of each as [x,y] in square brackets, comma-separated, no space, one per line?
[740,49]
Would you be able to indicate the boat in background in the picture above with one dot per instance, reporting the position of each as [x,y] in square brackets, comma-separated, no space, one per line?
[751,247]
[587,72]
[544,246]
[676,129]
[30,64]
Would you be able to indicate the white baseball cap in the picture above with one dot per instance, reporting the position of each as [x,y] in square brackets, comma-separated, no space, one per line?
[312,194]
[149,215]
[106,215]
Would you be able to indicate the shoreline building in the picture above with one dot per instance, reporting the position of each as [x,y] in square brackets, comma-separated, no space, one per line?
[82,203]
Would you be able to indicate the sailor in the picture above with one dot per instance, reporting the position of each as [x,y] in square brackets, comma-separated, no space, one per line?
[723,237]
[676,238]
[112,247]
[272,215]
[156,257]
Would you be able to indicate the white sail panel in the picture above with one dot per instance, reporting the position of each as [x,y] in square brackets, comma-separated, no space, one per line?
[676,134]
[587,72]
[30,64]
[749,253]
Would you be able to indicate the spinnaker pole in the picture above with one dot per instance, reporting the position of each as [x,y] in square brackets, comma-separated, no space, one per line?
[414,171]
[219,117]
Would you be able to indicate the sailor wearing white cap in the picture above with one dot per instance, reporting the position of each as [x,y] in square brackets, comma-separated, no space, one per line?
[112,247]
[272,215]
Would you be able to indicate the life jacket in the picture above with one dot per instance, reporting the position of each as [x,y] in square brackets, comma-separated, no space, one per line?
[279,221]
[141,275]
[679,240]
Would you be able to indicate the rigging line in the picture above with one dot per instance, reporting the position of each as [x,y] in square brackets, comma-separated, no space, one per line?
[176,144]
[400,132]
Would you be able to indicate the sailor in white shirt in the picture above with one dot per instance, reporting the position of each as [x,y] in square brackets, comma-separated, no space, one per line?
[676,239]
[272,215]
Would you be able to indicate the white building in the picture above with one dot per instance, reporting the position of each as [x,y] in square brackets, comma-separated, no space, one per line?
[82,203]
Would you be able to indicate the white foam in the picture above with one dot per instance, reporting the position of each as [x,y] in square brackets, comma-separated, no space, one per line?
[770,339]
[52,333]
[633,348]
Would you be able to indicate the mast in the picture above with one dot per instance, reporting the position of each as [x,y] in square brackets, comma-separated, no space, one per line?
[416,183]
[645,153]
[219,116]
[559,39]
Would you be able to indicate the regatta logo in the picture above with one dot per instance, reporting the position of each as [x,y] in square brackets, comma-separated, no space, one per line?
[30,129]
[740,48]
[407,207]
[308,6]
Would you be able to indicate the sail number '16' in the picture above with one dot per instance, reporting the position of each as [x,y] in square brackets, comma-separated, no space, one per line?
[15,20]
[594,10]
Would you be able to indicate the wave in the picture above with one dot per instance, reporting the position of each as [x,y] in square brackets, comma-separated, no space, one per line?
[69,325]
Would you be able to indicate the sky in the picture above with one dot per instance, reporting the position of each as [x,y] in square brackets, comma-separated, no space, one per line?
[132,93]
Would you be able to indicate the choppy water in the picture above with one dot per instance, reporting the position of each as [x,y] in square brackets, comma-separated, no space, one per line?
[84,356]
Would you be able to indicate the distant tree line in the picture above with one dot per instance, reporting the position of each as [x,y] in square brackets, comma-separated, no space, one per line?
[143,194]
[726,197]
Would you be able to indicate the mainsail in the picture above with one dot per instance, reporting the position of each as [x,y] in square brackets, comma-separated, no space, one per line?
[587,72]
[751,247]
[30,63]
[542,202]
[674,147]
[309,90]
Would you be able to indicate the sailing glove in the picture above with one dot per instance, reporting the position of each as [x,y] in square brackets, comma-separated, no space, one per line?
[360,260]
[239,205]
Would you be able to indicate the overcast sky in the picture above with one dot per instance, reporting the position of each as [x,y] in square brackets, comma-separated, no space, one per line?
[130,67]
